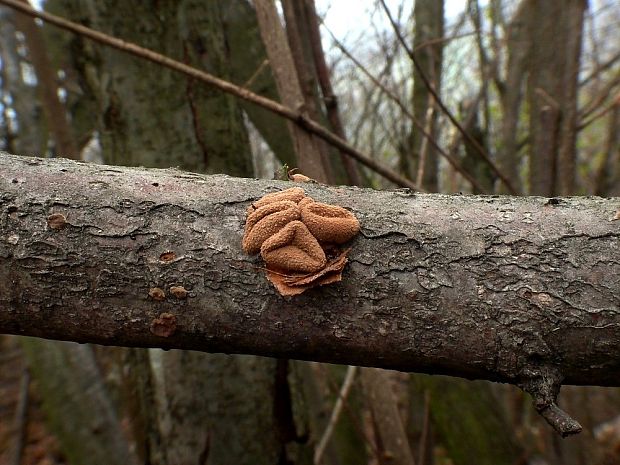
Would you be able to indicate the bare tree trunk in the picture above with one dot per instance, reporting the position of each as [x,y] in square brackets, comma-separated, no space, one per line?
[307,147]
[395,448]
[511,94]
[608,182]
[555,29]
[330,99]
[301,52]
[55,112]
[567,150]
[182,122]
[472,162]
[470,421]
[31,137]
[78,405]
[429,27]
[248,67]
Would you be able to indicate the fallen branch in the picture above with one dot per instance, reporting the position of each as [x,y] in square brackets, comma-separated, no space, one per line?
[517,290]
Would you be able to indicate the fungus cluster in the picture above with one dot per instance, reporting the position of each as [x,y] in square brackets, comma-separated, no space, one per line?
[298,239]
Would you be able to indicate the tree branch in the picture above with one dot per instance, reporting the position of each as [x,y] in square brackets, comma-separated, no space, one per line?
[498,288]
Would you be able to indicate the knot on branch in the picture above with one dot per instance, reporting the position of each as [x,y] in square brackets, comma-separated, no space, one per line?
[543,383]
[297,239]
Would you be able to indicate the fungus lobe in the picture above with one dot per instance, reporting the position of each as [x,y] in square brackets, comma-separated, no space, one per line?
[297,238]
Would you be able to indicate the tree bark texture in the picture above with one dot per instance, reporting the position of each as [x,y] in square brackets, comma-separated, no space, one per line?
[519,290]
[194,34]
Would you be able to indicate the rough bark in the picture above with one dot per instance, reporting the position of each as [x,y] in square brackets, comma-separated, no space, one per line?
[121,84]
[520,290]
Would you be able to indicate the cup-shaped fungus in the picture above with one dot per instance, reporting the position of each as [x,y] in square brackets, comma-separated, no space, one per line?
[293,249]
[329,223]
[266,221]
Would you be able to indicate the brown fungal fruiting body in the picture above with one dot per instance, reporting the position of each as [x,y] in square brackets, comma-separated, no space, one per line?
[165,325]
[293,248]
[300,178]
[179,292]
[266,221]
[293,233]
[167,256]
[56,221]
[329,223]
[157,293]
[294,194]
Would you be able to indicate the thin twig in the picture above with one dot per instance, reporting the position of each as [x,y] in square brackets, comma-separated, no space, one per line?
[424,145]
[613,104]
[354,416]
[329,97]
[443,107]
[455,164]
[602,67]
[441,40]
[248,84]
[335,416]
[225,86]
